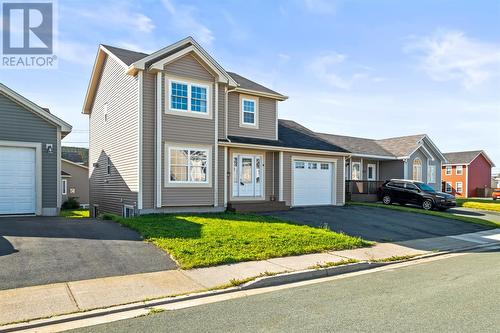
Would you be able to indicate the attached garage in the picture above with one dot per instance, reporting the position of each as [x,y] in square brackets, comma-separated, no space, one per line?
[313,183]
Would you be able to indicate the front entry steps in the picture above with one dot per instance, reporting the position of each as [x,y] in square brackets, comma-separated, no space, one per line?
[256,206]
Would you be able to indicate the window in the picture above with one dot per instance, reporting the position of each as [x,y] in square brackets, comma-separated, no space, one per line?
[128,211]
[371,172]
[356,171]
[189,97]
[312,165]
[448,170]
[105,112]
[300,165]
[64,185]
[417,170]
[411,187]
[325,166]
[188,165]
[431,174]
[396,184]
[458,187]
[448,187]
[248,111]
[108,166]
[459,170]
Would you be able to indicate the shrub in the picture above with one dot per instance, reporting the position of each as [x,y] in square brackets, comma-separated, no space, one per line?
[71,203]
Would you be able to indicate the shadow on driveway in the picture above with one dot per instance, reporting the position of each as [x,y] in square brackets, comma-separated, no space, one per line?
[377,224]
[41,250]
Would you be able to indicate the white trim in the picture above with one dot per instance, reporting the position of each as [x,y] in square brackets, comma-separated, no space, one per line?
[278,97]
[65,127]
[225,176]
[190,83]
[446,170]
[436,149]
[467,181]
[380,157]
[159,141]
[413,169]
[429,166]
[58,168]
[263,162]
[206,183]
[281,176]
[315,159]
[360,170]
[226,107]
[216,147]
[287,149]
[374,171]
[125,207]
[277,120]
[461,170]
[73,163]
[255,100]
[462,188]
[343,179]
[405,169]
[38,173]
[64,187]
[140,143]
[446,187]
[427,152]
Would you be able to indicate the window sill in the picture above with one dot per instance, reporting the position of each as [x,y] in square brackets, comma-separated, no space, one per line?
[249,126]
[192,114]
[188,185]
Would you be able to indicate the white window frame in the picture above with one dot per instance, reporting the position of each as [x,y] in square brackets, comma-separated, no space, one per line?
[125,208]
[431,173]
[360,171]
[255,100]
[461,168]
[413,165]
[170,183]
[448,170]
[374,173]
[450,190]
[64,187]
[188,112]
[457,187]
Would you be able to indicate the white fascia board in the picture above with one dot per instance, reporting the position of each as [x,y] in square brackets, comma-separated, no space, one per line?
[378,157]
[436,149]
[278,148]
[260,93]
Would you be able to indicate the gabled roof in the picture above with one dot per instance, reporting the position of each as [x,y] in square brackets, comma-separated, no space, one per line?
[246,84]
[43,113]
[466,157]
[292,135]
[357,145]
[128,57]
[401,146]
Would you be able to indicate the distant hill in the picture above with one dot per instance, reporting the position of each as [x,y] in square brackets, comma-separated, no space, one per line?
[76,154]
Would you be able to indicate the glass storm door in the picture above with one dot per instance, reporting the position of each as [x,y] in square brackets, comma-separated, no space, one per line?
[247,176]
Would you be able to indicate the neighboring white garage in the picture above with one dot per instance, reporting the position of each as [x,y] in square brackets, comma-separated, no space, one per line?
[17,180]
[313,183]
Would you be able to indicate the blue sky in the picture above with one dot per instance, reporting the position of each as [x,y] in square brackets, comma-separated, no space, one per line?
[363,68]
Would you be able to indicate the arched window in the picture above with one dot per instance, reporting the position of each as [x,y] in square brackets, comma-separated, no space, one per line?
[417,169]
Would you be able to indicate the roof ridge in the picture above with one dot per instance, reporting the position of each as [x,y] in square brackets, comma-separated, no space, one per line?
[123,49]
[400,137]
[346,136]
[464,151]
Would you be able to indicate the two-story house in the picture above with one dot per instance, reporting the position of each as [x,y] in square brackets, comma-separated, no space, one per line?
[174,131]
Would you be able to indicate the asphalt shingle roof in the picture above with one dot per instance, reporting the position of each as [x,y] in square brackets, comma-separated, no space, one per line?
[356,145]
[401,146]
[127,56]
[461,156]
[251,85]
[292,135]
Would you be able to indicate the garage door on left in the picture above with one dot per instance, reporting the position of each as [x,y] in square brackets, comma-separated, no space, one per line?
[17,180]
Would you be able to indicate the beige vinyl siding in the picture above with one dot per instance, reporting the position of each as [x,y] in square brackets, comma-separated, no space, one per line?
[185,131]
[287,175]
[149,142]
[268,166]
[117,139]
[266,118]
[276,174]
[19,124]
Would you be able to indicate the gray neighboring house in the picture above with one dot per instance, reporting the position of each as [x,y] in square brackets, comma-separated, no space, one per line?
[174,131]
[374,161]
[75,181]
[30,156]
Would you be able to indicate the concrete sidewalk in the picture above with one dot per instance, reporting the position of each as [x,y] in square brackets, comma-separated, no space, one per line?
[61,298]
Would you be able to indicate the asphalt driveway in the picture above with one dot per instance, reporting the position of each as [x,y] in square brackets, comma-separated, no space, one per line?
[377,224]
[41,250]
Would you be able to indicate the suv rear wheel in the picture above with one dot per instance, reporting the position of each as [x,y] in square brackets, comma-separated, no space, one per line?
[386,199]
[427,204]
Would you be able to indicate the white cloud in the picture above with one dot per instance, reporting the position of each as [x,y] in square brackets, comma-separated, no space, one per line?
[327,68]
[142,23]
[76,52]
[184,18]
[451,55]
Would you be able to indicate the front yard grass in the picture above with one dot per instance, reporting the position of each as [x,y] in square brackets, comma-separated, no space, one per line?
[480,204]
[446,215]
[74,213]
[202,240]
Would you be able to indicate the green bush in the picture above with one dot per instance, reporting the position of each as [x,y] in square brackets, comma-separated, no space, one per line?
[71,203]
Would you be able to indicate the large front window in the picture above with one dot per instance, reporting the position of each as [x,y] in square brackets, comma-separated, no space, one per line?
[188,165]
[189,97]
[417,170]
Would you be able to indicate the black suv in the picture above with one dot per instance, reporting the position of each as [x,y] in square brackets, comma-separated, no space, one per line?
[417,193]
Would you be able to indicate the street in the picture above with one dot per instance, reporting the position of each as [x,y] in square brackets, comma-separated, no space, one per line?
[459,293]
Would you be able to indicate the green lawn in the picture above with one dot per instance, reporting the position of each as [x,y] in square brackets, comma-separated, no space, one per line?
[75,213]
[480,204]
[212,239]
[430,212]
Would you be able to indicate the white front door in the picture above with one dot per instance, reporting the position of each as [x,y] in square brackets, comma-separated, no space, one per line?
[247,176]
[17,180]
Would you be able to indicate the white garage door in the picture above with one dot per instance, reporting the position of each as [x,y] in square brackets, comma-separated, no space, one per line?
[17,180]
[312,183]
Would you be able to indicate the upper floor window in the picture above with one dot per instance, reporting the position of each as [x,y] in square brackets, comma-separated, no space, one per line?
[459,170]
[249,109]
[448,170]
[417,170]
[105,111]
[189,97]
